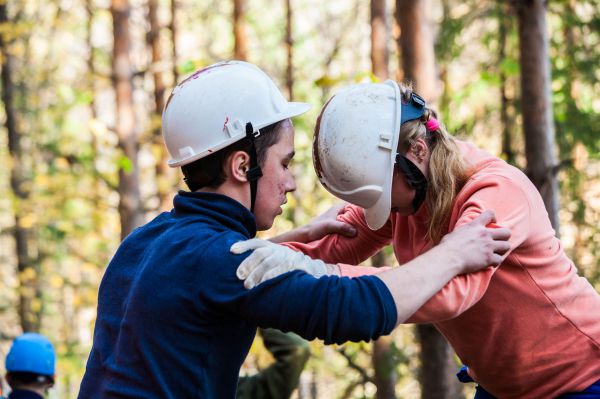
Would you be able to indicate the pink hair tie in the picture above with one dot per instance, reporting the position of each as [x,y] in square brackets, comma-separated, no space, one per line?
[432,124]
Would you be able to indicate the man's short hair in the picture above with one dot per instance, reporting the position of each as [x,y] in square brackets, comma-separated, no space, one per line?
[209,171]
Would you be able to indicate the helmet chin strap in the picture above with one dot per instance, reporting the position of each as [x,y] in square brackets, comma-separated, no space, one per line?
[415,179]
[254,173]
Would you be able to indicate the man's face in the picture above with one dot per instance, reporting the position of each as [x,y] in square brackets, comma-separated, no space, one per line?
[277,179]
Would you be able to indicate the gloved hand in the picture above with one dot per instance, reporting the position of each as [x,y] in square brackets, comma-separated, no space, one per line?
[271,260]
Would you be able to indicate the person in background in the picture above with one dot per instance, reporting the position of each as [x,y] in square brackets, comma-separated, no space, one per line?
[280,379]
[30,367]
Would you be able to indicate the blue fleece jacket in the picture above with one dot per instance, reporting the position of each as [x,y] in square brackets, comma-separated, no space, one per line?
[24,394]
[174,321]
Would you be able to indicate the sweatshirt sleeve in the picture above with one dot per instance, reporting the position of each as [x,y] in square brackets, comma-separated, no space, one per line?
[336,248]
[507,198]
[334,309]
[331,308]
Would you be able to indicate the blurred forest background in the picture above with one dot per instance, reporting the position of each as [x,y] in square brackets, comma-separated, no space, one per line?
[82,161]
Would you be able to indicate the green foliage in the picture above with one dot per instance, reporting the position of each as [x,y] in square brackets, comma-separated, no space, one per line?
[125,164]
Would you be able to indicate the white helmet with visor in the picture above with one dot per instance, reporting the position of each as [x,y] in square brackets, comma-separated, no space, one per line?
[355,145]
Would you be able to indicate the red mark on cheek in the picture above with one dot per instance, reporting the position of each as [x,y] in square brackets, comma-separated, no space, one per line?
[225,123]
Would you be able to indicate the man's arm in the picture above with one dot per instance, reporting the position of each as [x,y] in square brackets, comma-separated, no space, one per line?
[470,248]
[333,309]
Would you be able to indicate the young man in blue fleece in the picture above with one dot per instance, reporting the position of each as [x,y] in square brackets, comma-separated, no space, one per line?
[174,320]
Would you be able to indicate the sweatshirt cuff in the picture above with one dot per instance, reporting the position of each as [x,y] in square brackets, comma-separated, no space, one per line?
[388,304]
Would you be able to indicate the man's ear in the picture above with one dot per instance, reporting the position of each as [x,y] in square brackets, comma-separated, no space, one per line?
[237,166]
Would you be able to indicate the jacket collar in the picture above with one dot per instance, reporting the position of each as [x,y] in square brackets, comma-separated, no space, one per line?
[216,209]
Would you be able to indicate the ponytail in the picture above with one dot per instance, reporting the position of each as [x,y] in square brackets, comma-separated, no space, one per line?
[448,170]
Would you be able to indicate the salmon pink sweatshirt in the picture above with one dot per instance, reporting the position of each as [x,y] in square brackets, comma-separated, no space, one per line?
[529,328]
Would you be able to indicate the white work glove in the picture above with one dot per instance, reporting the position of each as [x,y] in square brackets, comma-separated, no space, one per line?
[271,260]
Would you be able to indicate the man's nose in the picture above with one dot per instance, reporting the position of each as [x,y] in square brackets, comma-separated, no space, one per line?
[291,185]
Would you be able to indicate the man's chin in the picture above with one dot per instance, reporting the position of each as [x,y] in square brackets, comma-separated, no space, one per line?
[262,226]
[266,225]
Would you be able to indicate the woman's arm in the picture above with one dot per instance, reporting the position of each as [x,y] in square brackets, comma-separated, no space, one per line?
[337,248]
[512,205]
[321,226]
[470,248]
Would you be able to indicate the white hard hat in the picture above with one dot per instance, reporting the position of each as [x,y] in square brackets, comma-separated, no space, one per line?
[355,146]
[209,110]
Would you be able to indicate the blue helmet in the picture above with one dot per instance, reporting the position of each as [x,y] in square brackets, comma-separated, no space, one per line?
[31,353]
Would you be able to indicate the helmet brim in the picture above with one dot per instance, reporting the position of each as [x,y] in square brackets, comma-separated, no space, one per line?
[379,213]
[291,110]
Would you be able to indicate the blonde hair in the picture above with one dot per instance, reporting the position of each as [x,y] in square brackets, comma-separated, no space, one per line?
[448,170]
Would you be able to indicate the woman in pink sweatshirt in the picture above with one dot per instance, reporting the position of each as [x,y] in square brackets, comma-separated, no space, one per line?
[529,328]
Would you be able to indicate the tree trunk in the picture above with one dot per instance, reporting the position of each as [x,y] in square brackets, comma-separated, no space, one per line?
[89,9]
[130,205]
[578,172]
[28,269]
[173,29]
[98,192]
[163,173]
[385,375]
[504,22]
[384,366]
[417,47]
[379,39]
[239,30]
[438,369]
[437,377]
[289,45]
[538,126]
[154,43]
